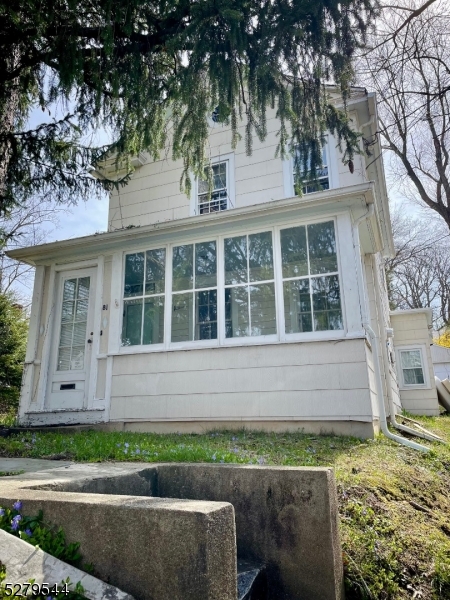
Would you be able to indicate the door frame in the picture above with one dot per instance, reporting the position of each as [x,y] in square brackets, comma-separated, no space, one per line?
[53,373]
[49,325]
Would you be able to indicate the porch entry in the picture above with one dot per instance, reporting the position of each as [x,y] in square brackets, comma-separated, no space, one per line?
[72,349]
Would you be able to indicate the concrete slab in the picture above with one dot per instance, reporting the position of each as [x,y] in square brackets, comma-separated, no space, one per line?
[24,562]
[31,465]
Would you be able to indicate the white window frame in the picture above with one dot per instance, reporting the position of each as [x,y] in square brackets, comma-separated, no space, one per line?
[423,355]
[222,341]
[288,170]
[231,202]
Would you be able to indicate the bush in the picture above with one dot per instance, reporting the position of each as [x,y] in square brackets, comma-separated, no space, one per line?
[13,339]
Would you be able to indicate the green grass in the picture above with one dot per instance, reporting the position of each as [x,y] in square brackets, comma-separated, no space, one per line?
[394,501]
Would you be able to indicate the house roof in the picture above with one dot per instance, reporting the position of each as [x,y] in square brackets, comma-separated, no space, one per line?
[355,197]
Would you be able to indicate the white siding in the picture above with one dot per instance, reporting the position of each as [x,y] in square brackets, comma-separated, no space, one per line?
[153,194]
[317,380]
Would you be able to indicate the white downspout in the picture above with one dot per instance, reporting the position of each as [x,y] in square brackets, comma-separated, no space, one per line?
[373,339]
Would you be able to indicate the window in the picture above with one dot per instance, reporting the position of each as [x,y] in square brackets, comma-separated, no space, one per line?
[219,199]
[323,181]
[74,315]
[143,306]
[249,286]
[194,292]
[310,279]
[234,287]
[412,367]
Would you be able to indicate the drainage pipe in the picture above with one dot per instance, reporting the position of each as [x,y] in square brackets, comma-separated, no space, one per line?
[426,435]
[373,339]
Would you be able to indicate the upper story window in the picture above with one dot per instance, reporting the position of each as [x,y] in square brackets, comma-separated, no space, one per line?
[323,181]
[222,191]
[219,194]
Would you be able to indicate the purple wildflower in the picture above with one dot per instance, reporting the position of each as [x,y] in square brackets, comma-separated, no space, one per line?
[261,460]
[137,451]
[126,444]
[17,505]
[15,522]
[28,532]
[214,456]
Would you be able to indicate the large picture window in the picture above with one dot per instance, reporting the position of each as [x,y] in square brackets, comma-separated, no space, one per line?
[194,292]
[249,286]
[143,306]
[312,300]
[234,287]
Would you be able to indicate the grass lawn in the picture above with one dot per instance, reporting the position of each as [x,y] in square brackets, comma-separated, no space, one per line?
[394,502]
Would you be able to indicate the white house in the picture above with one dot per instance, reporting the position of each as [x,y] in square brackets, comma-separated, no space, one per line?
[251,309]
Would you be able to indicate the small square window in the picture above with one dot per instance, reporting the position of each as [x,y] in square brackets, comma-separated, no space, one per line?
[412,367]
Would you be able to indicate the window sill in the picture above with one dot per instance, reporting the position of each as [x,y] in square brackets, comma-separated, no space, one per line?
[269,340]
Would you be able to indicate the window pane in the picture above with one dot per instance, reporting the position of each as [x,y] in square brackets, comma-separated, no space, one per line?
[262,308]
[236,260]
[153,331]
[83,288]
[68,309]
[411,359]
[77,358]
[64,359]
[219,176]
[326,303]
[293,252]
[322,248]
[182,264]
[260,256]
[206,315]
[413,376]
[134,274]
[79,333]
[66,335]
[182,317]
[70,286]
[155,271]
[205,265]
[297,306]
[236,312]
[132,322]
[81,310]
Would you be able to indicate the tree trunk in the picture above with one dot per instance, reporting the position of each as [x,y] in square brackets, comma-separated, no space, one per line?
[9,105]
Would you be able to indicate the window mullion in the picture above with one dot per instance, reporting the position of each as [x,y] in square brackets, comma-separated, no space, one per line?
[220,254]
[248,288]
[278,283]
[194,320]
[313,325]
[168,298]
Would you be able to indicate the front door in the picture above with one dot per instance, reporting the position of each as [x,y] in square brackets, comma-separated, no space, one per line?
[72,349]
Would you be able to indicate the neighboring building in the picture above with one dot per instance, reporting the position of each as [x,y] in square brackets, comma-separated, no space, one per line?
[245,310]
[441,361]
[413,349]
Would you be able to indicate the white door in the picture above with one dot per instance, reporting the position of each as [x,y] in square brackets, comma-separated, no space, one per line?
[72,349]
